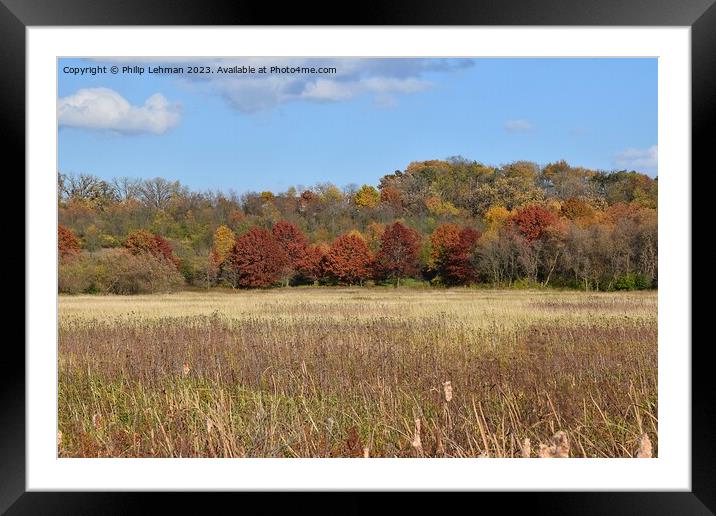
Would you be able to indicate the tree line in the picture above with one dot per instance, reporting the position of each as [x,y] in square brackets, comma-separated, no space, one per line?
[446,222]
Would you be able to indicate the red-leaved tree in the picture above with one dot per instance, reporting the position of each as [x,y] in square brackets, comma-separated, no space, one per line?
[452,249]
[348,260]
[68,244]
[143,241]
[294,243]
[399,253]
[310,269]
[257,259]
[532,222]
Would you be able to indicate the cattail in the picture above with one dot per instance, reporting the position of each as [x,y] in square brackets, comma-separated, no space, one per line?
[209,425]
[559,447]
[562,444]
[354,445]
[97,421]
[439,446]
[366,452]
[644,447]
[417,444]
[186,369]
[447,389]
[526,448]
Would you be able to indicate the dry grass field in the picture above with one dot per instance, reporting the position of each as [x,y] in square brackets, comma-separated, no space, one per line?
[321,372]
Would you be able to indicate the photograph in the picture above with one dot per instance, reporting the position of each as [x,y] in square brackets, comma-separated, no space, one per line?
[368,257]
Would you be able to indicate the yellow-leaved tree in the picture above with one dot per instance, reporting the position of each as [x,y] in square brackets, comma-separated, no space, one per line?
[496,216]
[224,240]
[367,197]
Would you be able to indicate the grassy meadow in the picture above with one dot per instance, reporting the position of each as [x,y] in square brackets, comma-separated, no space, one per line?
[354,372]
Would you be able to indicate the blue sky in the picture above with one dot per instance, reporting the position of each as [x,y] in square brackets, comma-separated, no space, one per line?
[271,131]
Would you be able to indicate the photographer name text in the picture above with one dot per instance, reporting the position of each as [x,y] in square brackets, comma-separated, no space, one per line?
[179,70]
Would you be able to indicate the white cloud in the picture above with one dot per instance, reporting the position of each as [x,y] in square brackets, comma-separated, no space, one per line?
[103,108]
[255,92]
[324,90]
[519,125]
[337,90]
[383,79]
[637,159]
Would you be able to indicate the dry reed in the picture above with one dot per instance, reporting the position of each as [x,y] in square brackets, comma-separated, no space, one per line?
[356,372]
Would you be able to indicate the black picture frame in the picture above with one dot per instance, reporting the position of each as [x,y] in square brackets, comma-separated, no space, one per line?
[16,15]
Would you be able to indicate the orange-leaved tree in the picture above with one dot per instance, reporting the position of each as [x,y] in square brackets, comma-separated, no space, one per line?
[143,241]
[348,260]
[392,197]
[451,255]
[68,245]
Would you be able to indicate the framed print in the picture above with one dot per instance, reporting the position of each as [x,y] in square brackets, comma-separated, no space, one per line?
[419,252]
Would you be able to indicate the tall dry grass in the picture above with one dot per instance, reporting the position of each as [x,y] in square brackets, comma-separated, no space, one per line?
[358,372]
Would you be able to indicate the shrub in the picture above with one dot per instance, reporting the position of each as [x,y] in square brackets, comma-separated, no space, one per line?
[142,242]
[143,273]
[632,281]
[118,272]
[75,276]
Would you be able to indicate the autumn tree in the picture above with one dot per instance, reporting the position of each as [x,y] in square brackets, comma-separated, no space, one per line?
[564,181]
[143,241]
[310,268]
[224,240]
[576,209]
[496,216]
[620,211]
[373,233]
[440,208]
[452,251]
[68,244]
[530,215]
[348,260]
[398,254]
[294,244]
[367,197]
[257,259]
[441,239]
[532,222]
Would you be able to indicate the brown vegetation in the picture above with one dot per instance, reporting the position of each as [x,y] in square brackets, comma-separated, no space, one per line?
[359,372]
